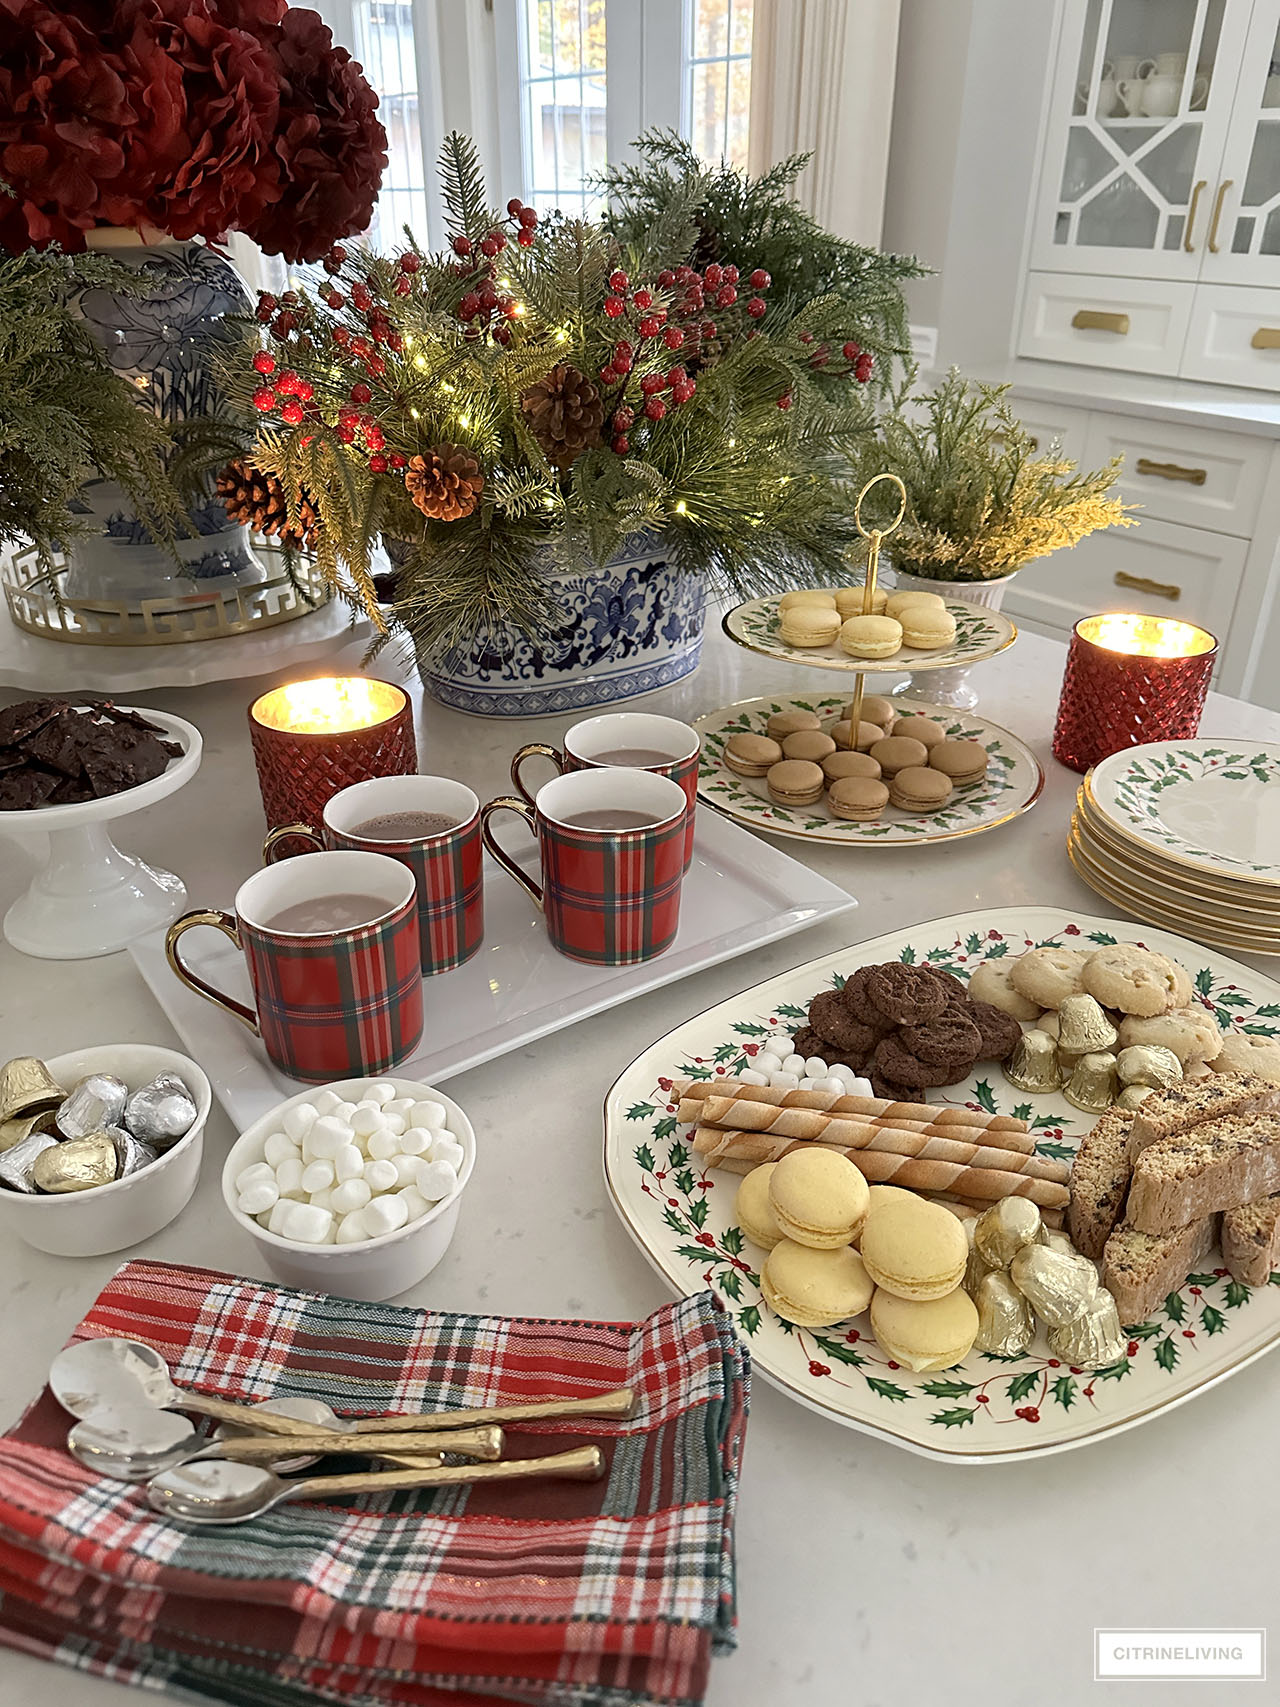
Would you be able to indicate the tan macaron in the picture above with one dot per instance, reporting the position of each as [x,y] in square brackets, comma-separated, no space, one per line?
[928,1334]
[751,755]
[807,596]
[784,723]
[923,729]
[918,788]
[900,601]
[808,744]
[896,752]
[851,601]
[870,636]
[913,1248]
[925,629]
[809,625]
[813,1288]
[839,764]
[963,761]
[859,798]
[753,1211]
[819,1198]
[875,709]
[795,782]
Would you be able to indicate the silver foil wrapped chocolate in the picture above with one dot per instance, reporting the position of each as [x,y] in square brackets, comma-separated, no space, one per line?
[1092,1338]
[1133,1096]
[1005,1322]
[97,1101]
[132,1155]
[77,1165]
[1058,1287]
[161,1112]
[1083,1028]
[26,1085]
[1092,1085]
[17,1164]
[1033,1066]
[1148,1064]
[1002,1231]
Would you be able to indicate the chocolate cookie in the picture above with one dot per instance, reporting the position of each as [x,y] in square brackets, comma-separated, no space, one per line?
[955,987]
[950,1040]
[831,1017]
[859,1000]
[892,1092]
[906,995]
[893,1061]
[807,1042]
[1000,1031]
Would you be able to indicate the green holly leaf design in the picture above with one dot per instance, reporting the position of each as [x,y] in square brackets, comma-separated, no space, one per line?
[1114,1371]
[747,1030]
[789,1010]
[725,1052]
[957,1417]
[673,1221]
[1102,937]
[986,1096]
[1201,1280]
[1204,981]
[1271,1011]
[1144,1331]
[1064,1391]
[1021,1111]
[697,1072]
[641,1111]
[749,1319]
[695,1253]
[1274,1278]
[644,1158]
[1236,1294]
[730,1283]
[996,950]
[973,943]
[839,1351]
[1167,1354]
[678,1155]
[886,1389]
[665,1127]
[1261,1030]
[685,1182]
[1022,1384]
[1055,1152]
[946,1389]
[1175,1309]
[1212,1320]
[698,1213]
[908,956]
[733,1241]
[1233,999]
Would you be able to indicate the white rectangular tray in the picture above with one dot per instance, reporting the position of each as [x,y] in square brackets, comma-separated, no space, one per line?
[739,894]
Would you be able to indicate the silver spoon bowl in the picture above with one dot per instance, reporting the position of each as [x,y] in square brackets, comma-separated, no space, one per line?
[114,1374]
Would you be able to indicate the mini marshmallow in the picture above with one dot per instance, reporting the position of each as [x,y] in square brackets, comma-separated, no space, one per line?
[399,1105]
[381,1176]
[786,1081]
[304,1223]
[383,1146]
[811,1084]
[748,1076]
[279,1148]
[289,1179]
[322,1199]
[394,1121]
[327,1137]
[351,1230]
[344,1111]
[861,1088]
[406,1170]
[278,1218]
[769,1061]
[846,1075]
[348,1164]
[832,1084]
[436,1180]
[324,1102]
[379,1091]
[352,1194]
[255,1171]
[428,1114]
[366,1119]
[447,1149]
[815,1067]
[793,1064]
[415,1203]
[385,1214]
[258,1197]
[318,1177]
[299,1120]
[415,1142]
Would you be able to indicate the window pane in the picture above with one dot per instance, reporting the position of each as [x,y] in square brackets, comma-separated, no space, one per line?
[735,150]
[710,28]
[563,99]
[384,45]
[542,39]
[718,79]
[740,27]
[568,37]
[707,109]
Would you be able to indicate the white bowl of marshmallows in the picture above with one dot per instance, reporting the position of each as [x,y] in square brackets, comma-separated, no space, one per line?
[353,1187]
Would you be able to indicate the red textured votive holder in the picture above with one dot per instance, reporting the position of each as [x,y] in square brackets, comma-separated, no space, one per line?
[1130,679]
[313,738]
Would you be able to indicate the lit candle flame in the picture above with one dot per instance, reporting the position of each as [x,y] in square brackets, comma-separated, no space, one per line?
[1146,636]
[328,705]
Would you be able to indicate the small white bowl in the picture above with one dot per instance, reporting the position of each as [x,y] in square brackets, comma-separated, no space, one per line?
[113,1217]
[377,1268]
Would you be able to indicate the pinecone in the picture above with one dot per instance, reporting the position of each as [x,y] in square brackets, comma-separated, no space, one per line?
[446,483]
[565,414]
[258,500]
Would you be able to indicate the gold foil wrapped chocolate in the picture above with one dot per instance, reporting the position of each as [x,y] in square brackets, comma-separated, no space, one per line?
[1133,1096]
[1083,1028]
[79,1164]
[1005,1322]
[1148,1064]
[976,1270]
[17,1165]
[1092,1085]
[1056,1241]
[1058,1287]
[25,1086]
[23,1125]
[1092,1338]
[1033,1066]
[1001,1231]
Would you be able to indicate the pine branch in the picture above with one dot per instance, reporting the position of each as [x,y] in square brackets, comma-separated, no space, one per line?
[462,188]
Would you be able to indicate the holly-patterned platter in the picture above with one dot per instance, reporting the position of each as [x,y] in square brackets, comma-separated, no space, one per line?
[980,633]
[988,1409]
[1011,786]
[1205,805]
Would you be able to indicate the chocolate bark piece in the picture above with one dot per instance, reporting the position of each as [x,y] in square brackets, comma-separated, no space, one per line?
[126,714]
[23,719]
[23,789]
[60,745]
[71,791]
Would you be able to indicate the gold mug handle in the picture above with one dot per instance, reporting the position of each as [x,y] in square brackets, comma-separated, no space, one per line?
[224,922]
[522,809]
[283,832]
[534,750]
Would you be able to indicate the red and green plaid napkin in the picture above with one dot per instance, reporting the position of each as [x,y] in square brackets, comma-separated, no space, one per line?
[564,1593]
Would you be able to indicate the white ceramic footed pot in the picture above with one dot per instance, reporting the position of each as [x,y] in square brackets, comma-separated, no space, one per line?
[950,687]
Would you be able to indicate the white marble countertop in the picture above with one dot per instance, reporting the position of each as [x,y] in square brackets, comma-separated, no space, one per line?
[867,1575]
[1234,409]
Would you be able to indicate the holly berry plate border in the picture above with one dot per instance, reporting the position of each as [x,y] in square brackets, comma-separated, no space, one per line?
[1012,785]
[980,634]
[988,1409]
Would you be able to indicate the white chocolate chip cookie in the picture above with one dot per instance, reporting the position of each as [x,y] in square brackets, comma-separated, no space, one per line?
[1192,1033]
[1242,1052]
[1131,979]
[992,982]
[1047,976]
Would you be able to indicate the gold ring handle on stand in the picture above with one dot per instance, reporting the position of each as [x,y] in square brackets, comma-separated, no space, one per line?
[873,536]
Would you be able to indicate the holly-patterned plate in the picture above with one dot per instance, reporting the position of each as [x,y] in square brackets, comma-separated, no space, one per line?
[1202,804]
[987,1409]
[1011,786]
[980,633]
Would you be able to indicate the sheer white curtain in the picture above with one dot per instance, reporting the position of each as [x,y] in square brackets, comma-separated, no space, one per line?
[822,76]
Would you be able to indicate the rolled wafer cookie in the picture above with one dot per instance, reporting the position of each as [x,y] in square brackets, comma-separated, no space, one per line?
[827,1102]
[880,1167]
[851,1133]
[691,1111]
[867,1135]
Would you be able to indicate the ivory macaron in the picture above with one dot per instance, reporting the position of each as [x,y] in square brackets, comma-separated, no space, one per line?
[807,596]
[795,782]
[751,755]
[899,601]
[925,629]
[925,1334]
[851,601]
[753,1211]
[963,761]
[870,636]
[913,1248]
[809,625]
[819,1198]
[814,1288]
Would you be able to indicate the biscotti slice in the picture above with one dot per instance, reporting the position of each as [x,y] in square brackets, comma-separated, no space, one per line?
[1196,1100]
[1141,1269]
[1099,1181]
[1217,1165]
[1251,1241]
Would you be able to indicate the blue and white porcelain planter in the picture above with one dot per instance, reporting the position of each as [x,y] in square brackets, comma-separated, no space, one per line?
[623,628]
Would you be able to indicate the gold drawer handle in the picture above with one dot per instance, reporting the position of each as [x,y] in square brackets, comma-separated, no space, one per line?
[1141,584]
[1100,320]
[1172,471]
[1218,200]
[1266,338]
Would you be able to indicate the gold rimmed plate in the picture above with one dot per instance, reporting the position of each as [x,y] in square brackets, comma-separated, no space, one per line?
[1206,926]
[1134,855]
[980,633]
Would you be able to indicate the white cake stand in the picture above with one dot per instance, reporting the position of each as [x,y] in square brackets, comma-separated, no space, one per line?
[90,898]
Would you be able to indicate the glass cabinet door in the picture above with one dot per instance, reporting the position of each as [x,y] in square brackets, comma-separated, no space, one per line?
[1137,127]
[1242,239]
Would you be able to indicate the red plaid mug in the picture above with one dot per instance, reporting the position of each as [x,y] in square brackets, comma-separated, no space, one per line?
[329,1002]
[636,740]
[611,846]
[447,864]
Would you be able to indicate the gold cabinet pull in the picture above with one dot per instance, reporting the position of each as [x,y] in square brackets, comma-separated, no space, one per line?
[1266,338]
[1201,184]
[1172,471]
[1100,320]
[1218,200]
[1143,584]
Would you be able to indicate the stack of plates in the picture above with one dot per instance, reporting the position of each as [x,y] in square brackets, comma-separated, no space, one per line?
[1186,834]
